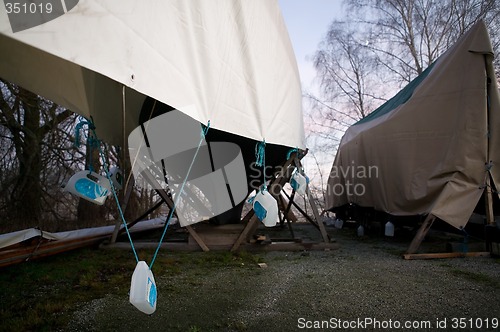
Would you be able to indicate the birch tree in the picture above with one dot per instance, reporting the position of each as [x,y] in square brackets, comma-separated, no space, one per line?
[380,47]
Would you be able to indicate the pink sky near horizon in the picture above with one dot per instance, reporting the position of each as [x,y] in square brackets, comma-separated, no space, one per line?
[307,23]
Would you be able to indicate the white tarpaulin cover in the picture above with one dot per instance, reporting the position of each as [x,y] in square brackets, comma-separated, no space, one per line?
[9,239]
[227,61]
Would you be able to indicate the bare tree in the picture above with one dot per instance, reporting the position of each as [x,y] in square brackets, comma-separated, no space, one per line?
[380,47]
[26,128]
[411,34]
[59,160]
[348,76]
[38,156]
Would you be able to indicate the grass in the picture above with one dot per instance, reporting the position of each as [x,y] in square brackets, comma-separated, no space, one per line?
[41,295]
[36,294]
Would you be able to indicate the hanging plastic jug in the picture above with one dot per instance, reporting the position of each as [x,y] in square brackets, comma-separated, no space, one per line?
[361,230]
[299,183]
[266,208]
[116,176]
[90,186]
[339,223]
[389,229]
[143,289]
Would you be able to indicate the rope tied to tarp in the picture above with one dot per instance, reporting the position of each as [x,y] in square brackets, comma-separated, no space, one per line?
[260,153]
[78,128]
[91,128]
[94,142]
[204,131]
[290,152]
[260,160]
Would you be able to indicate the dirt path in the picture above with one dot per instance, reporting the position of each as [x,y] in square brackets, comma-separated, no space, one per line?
[364,280]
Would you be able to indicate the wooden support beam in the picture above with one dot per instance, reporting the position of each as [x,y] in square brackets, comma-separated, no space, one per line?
[286,211]
[191,231]
[488,199]
[447,255]
[281,216]
[247,216]
[314,208]
[168,200]
[281,177]
[422,232]
[197,238]
[275,246]
[289,213]
[304,214]
[196,200]
[249,229]
[116,231]
[490,218]
[279,180]
[141,217]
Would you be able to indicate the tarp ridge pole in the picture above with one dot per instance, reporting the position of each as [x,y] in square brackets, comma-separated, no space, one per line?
[124,131]
[490,218]
[128,186]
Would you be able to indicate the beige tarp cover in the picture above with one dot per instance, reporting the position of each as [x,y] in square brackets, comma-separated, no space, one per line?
[427,150]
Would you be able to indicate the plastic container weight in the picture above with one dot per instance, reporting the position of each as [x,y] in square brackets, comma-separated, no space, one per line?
[116,176]
[361,230]
[339,223]
[143,289]
[89,186]
[299,183]
[266,208]
[389,229]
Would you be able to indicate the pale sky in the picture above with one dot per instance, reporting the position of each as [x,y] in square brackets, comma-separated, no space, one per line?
[307,22]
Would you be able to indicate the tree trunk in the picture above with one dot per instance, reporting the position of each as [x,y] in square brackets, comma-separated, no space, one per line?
[27,195]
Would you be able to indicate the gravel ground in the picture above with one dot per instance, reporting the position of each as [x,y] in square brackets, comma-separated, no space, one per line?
[365,280]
